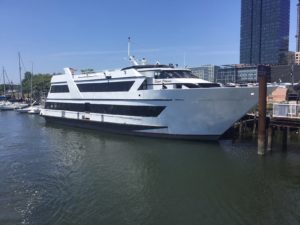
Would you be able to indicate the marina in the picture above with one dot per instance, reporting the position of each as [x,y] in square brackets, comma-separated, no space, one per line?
[193,125]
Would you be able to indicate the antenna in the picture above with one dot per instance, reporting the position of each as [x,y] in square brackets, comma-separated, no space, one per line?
[131,58]
[129,47]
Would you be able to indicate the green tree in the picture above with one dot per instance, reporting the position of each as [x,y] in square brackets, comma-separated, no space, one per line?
[40,85]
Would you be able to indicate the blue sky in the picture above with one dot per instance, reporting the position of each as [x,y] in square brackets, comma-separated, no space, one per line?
[93,33]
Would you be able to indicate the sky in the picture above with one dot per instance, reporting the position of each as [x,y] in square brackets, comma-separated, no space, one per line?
[53,34]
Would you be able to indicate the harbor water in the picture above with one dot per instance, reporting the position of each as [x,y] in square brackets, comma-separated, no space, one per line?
[53,174]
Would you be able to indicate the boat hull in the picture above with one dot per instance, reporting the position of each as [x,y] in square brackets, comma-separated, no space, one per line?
[202,113]
[124,129]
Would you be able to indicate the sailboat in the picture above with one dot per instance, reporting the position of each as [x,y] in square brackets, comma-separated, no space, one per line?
[3,97]
[5,105]
[8,105]
[33,108]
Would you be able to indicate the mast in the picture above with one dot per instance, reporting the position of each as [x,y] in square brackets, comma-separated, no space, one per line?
[20,73]
[4,89]
[31,83]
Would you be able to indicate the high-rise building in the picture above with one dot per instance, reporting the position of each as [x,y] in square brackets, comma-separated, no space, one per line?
[298,27]
[297,53]
[264,31]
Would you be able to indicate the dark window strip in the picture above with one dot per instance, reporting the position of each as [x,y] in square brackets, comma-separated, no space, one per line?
[105,87]
[59,89]
[190,85]
[126,110]
[202,85]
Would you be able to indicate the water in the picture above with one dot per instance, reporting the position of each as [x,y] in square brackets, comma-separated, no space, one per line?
[60,175]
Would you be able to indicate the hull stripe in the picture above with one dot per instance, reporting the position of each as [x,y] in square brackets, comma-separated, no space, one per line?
[101,125]
[126,110]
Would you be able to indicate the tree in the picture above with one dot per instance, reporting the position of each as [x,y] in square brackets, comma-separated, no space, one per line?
[40,85]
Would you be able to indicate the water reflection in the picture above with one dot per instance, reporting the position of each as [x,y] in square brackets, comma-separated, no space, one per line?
[62,175]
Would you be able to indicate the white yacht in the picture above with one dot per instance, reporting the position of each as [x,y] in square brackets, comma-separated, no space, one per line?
[151,100]
[31,109]
[6,106]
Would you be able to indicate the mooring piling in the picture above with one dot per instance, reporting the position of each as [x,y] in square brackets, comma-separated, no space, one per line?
[284,138]
[262,79]
[270,139]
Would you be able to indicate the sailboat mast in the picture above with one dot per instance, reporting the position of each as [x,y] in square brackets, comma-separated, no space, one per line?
[20,73]
[31,83]
[4,89]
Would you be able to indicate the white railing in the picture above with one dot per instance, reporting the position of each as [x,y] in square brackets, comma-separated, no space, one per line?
[284,110]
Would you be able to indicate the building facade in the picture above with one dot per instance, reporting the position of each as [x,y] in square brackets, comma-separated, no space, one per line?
[297,58]
[264,31]
[246,74]
[239,74]
[227,74]
[291,58]
[285,73]
[206,72]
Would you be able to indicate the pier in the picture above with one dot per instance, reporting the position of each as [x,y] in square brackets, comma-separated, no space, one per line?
[283,119]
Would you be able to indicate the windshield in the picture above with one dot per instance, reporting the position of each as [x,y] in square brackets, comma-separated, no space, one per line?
[163,74]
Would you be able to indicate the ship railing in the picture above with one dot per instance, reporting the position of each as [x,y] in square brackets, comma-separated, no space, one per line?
[285,110]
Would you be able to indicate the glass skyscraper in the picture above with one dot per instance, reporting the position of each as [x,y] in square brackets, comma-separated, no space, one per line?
[264,31]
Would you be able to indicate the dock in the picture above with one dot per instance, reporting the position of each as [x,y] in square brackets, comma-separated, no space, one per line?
[284,118]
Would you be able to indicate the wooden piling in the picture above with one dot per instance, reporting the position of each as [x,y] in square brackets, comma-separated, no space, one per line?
[241,129]
[262,79]
[284,139]
[254,125]
[270,139]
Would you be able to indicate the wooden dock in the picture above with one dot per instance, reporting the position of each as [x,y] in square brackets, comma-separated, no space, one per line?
[288,119]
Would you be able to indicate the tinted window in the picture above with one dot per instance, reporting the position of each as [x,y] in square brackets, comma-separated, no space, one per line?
[105,87]
[164,74]
[59,88]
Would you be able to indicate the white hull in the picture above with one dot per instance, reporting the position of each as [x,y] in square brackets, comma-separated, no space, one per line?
[148,100]
[36,109]
[6,106]
[191,112]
